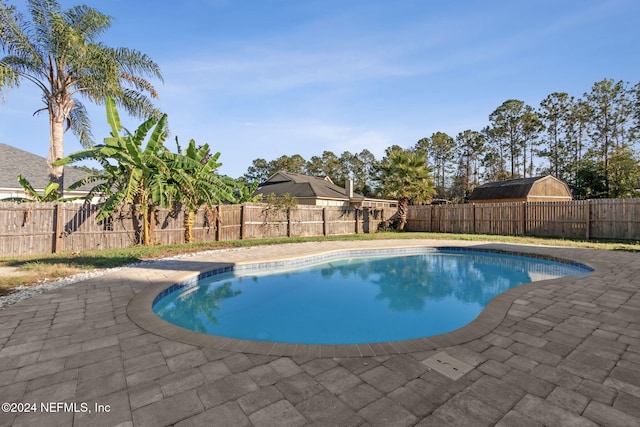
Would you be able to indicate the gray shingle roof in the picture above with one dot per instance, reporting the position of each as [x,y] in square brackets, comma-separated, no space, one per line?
[14,161]
[303,186]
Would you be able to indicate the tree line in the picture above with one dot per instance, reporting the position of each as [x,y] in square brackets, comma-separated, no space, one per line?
[591,143]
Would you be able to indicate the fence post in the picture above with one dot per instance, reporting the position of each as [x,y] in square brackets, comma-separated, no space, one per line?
[588,219]
[241,221]
[474,217]
[431,218]
[355,216]
[289,222]
[366,220]
[57,228]
[324,221]
[218,223]
[524,218]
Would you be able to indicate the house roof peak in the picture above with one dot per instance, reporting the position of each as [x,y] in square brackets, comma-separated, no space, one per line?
[15,161]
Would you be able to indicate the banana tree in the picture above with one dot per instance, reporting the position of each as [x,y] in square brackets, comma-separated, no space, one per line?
[244,192]
[132,174]
[194,174]
[50,193]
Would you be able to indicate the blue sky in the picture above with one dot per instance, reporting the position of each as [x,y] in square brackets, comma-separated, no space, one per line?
[266,78]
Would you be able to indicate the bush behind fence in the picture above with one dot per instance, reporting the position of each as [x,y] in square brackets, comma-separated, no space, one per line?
[40,228]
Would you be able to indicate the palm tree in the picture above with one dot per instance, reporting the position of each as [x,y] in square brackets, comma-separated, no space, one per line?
[405,175]
[58,51]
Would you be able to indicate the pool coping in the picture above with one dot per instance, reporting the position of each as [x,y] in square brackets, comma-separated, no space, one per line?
[139,309]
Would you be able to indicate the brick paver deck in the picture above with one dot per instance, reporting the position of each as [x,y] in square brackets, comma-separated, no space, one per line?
[556,353]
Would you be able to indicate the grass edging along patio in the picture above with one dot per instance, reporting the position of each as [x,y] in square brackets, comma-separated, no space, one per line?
[37,269]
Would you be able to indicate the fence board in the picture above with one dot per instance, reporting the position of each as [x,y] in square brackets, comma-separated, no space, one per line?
[26,228]
[375,218]
[340,220]
[261,220]
[419,218]
[307,221]
[602,219]
[29,228]
[229,222]
[620,220]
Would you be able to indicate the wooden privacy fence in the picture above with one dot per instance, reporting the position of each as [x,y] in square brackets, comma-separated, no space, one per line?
[582,219]
[40,228]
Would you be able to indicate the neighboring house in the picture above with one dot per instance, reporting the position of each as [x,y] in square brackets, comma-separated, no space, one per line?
[311,190]
[538,189]
[14,162]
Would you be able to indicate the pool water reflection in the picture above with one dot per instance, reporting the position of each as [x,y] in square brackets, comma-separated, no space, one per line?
[355,300]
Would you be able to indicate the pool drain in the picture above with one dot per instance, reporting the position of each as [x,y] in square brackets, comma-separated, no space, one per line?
[448,366]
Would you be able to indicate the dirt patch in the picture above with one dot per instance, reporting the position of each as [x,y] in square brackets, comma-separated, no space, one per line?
[10,272]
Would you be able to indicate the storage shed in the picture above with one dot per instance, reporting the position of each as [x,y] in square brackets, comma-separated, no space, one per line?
[537,189]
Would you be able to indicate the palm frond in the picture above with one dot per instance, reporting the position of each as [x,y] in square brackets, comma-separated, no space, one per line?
[88,21]
[24,66]
[134,62]
[15,34]
[44,14]
[81,124]
[140,84]
[405,174]
[8,78]
[137,104]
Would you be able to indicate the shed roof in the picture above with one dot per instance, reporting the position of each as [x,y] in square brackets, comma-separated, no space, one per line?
[14,161]
[303,186]
[509,189]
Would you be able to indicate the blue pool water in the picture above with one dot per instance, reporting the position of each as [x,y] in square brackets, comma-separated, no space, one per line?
[354,300]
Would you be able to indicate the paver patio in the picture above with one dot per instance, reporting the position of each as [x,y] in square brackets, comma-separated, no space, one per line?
[556,353]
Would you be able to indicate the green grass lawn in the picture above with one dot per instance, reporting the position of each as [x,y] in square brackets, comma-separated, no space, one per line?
[35,269]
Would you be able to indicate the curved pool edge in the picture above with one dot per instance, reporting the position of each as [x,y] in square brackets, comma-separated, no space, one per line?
[140,310]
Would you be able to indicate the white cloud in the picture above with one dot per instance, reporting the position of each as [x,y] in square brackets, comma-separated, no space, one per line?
[271,70]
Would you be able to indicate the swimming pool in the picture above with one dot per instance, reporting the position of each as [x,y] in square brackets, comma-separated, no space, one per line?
[352,298]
